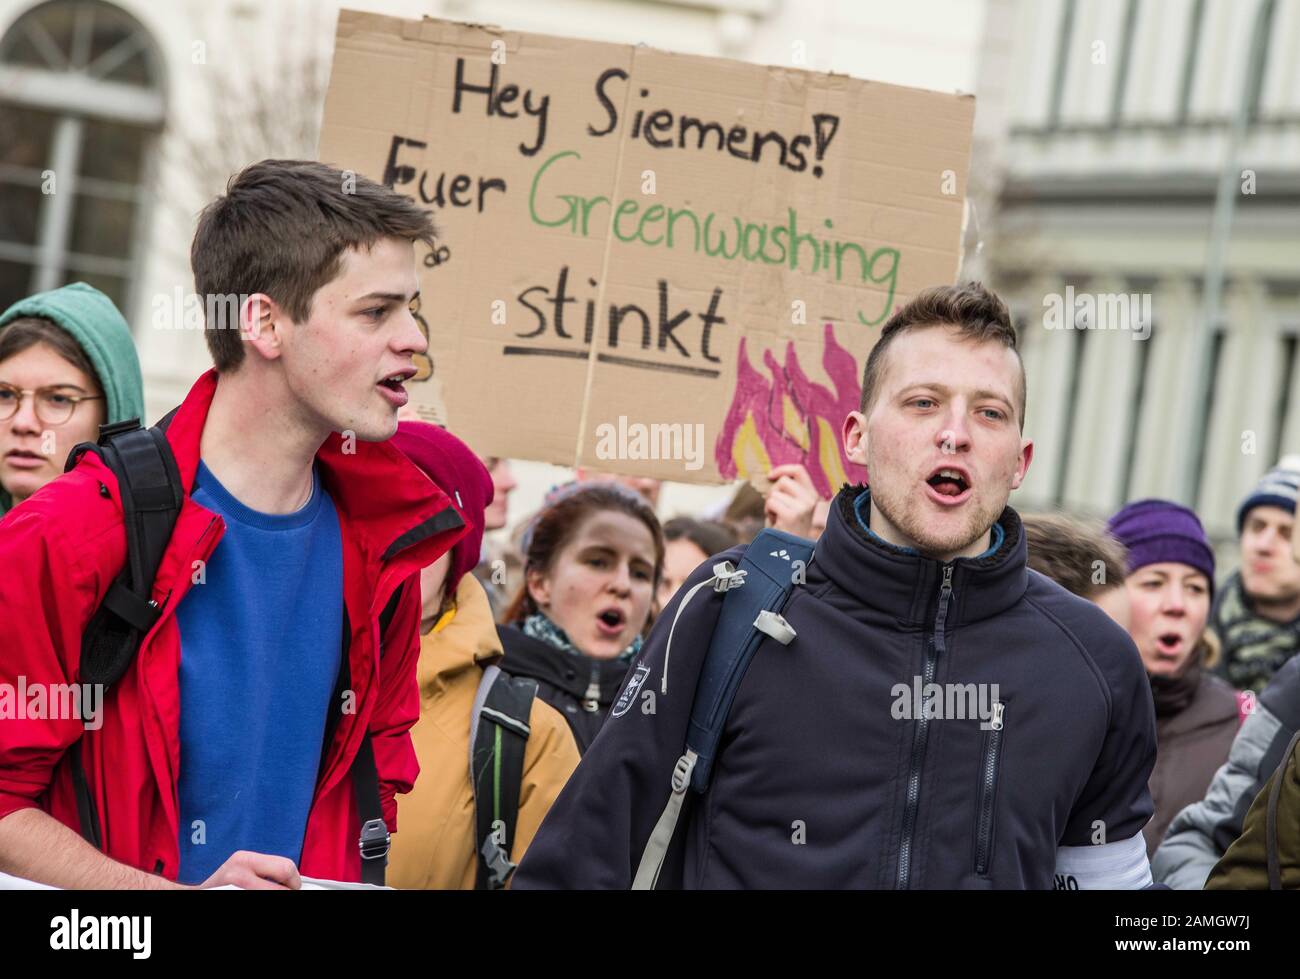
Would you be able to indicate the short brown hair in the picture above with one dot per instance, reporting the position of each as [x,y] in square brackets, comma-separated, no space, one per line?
[976,312]
[1067,550]
[27,331]
[281,229]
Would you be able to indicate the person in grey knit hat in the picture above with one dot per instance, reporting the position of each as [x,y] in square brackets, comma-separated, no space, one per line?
[1257,611]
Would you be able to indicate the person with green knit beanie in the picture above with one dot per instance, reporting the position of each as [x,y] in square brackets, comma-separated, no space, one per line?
[67,365]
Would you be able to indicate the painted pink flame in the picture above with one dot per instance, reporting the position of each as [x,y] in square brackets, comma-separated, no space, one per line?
[760,398]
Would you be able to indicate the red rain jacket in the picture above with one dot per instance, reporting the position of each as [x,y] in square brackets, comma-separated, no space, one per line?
[61,549]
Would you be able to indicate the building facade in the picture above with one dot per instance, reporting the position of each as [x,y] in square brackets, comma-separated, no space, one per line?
[1104,130]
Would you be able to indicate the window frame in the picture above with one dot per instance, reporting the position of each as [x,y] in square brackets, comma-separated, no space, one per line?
[74,96]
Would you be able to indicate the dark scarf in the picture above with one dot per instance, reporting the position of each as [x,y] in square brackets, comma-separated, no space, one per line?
[539,627]
[1173,694]
[1254,648]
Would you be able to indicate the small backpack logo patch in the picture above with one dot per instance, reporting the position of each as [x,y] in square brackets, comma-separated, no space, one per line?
[628,696]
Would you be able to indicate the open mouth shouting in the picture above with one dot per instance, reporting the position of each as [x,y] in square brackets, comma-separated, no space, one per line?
[393,387]
[610,622]
[949,486]
[1169,645]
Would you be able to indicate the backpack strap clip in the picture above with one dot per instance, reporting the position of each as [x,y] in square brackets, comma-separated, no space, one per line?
[137,612]
[106,432]
[726,576]
[682,771]
[375,841]
[494,864]
[773,624]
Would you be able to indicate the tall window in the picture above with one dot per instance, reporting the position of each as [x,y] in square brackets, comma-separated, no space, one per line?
[81,105]
[1137,403]
[1190,55]
[1064,36]
[1259,46]
[1282,408]
[1066,447]
[1217,341]
[1125,62]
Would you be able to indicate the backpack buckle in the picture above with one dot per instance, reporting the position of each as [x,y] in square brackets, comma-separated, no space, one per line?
[375,841]
[771,624]
[727,576]
[682,771]
[499,867]
[108,432]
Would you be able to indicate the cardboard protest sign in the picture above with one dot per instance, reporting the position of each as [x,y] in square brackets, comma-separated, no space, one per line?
[648,263]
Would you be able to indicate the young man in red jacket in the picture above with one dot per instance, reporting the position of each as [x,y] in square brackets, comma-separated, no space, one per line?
[214,759]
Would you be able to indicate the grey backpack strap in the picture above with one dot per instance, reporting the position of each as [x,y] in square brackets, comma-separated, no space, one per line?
[490,675]
[656,848]
[499,731]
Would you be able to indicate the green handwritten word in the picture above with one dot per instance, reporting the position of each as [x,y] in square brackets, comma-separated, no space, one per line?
[731,238]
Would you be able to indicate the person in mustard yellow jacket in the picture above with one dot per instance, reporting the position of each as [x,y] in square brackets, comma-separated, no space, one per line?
[437,845]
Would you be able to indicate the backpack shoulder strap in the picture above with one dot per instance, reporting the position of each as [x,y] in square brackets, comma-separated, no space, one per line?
[343,682]
[499,730]
[375,840]
[755,595]
[149,484]
[390,610]
[750,614]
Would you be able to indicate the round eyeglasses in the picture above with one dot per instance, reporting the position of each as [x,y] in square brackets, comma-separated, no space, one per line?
[54,406]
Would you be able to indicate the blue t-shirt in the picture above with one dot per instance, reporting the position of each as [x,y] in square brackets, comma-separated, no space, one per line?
[261,643]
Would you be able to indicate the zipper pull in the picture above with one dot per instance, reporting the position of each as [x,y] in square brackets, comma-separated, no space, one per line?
[591,703]
[998,708]
[947,578]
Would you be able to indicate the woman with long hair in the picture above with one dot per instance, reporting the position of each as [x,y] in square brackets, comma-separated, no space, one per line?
[593,557]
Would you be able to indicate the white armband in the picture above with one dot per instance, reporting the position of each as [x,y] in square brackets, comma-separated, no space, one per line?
[1120,866]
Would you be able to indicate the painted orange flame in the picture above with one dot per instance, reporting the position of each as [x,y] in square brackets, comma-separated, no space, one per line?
[790,418]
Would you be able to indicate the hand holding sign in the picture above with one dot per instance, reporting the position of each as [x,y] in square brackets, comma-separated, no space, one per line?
[792,500]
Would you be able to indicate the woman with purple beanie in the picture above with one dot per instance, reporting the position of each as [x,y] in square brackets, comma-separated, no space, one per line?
[1170,584]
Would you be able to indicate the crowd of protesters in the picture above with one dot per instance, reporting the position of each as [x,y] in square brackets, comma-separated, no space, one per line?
[419,701]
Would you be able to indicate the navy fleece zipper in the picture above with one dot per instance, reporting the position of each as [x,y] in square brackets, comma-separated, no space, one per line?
[933,648]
